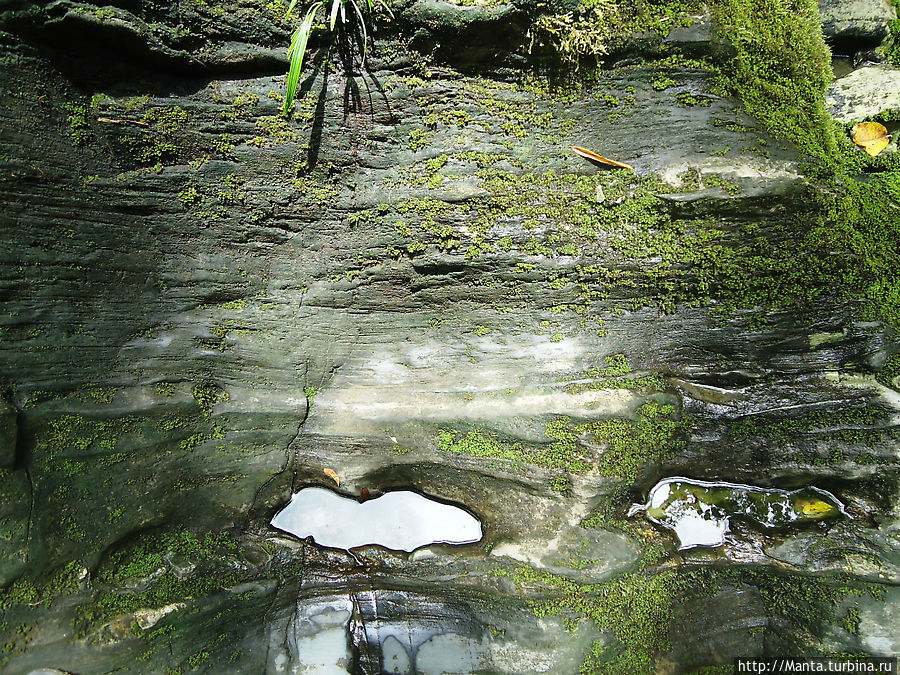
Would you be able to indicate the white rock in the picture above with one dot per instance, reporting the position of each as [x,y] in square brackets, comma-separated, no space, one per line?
[863,93]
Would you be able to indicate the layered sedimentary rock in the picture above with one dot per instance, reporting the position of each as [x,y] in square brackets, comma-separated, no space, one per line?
[413,281]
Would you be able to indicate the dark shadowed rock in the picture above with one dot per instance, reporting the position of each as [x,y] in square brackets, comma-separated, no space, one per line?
[9,434]
[856,21]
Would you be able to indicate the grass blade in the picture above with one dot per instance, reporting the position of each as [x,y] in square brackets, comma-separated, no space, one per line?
[362,24]
[294,36]
[334,10]
[297,51]
[290,8]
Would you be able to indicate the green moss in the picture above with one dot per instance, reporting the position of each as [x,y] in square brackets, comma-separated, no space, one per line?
[101,13]
[161,142]
[315,188]
[79,128]
[784,428]
[427,173]
[207,395]
[95,393]
[689,100]
[435,164]
[239,304]
[241,105]
[61,439]
[685,262]
[188,444]
[656,437]
[167,120]
[851,620]
[513,104]
[638,608]
[712,180]
[419,138]
[99,99]
[889,371]
[457,118]
[311,395]
[616,365]
[806,602]
[231,192]
[190,196]
[479,444]
[560,483]
[780,69]
[64,581]
[662,82]
[581,38]
[635,608]
[483,159]
[22,592]
[133,103]
[893,44]
[644,383]
[861,218]
[627,446]
[197,659]
[275,130]
[139,576]
[224,145]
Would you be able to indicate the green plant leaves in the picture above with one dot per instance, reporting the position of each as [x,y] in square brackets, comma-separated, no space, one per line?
[362,25]
[335,5]
[300,36]
[296,52]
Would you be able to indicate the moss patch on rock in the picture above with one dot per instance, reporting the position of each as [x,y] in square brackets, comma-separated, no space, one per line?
[614,447]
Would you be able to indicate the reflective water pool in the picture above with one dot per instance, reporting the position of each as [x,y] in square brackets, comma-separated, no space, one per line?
[401,520]
[699,512]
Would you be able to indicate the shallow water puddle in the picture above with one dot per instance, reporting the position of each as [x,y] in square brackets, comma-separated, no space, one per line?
[699,512]
[401,520]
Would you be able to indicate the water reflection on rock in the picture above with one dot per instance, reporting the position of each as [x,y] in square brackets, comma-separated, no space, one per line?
[699,512]
[400,520]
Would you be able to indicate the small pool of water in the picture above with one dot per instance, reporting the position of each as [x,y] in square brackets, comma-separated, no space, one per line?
[699,512]
[400,520]
[842,66]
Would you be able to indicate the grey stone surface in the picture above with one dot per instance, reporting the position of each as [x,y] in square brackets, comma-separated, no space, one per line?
[9,433]
[856,19]
[865,92]
[205,306]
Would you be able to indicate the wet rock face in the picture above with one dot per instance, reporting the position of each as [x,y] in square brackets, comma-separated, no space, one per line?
[860,21]
[413,282]
[9,431]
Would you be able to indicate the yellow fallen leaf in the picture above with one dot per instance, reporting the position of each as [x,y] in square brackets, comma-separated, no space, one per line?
[331,473]
[815,507]
[871,137]
[594,157]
